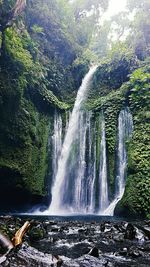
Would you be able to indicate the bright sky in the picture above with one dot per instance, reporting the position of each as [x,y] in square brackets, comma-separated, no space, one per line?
[115,6]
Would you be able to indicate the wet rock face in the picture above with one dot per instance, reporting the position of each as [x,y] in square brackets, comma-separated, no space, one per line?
[73,244]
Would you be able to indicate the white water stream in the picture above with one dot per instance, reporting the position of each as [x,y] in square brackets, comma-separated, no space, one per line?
[56,206]
[79,163]
[125,128]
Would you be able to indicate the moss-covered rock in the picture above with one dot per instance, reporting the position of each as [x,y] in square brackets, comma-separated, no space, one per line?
[136,199]
[26,110]
[135,94]
[110,105]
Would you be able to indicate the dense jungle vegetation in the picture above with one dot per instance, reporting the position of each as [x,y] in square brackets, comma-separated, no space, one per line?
[46,47]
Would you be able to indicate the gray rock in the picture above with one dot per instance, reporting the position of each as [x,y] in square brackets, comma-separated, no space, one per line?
[123,251]
[94,252]
[90,261]
[130,232]
[135,252]
[118,237]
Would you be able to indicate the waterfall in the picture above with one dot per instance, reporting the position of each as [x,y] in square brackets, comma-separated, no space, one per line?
[61,177]
[56,142]
[125,128]
[80,182]
[91,174]
[103,171]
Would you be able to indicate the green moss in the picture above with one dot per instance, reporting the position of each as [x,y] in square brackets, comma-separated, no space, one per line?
[16,50]
[137,193]
[110,105]
[26,107]
[26,136]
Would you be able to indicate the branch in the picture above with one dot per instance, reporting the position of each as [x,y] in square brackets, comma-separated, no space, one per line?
[17,239]
[7,20]
[18,8]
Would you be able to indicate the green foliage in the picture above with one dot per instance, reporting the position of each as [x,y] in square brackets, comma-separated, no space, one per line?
[114,70]
[17,51]
[27,78]
[100,41]
[136,94]
[23,60]
[47,53]
[57,23]
[26,133]
[110,105]
[139,38]
[6,5]
[139,93]
[36,29]
[137,194]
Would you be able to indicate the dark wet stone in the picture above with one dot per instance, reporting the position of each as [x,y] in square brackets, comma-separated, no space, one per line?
[146,247]
[118,237]
[102,227]
[37,232]
[130,232]
[27,256]
[146,230]
[90,261]
[72,240]
[123,251]
[109,264]
[80,231]
[54,229]
[94,252]
[135,252]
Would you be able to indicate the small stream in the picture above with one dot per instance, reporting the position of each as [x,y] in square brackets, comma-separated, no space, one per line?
[86,241]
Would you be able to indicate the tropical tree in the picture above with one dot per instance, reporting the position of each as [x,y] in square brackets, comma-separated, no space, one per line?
[9,11]
[140,28]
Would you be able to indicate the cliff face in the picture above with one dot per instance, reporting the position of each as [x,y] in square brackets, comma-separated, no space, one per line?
[135,94]
[37,76]
[136,199]
[31,73]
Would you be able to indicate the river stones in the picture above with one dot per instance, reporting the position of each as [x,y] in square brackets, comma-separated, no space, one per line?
[111,244]
[37,232]
[94,252]
[130,232]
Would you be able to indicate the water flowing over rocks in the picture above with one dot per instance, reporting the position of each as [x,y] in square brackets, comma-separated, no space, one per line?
[75,243]
[60,187]
[80,161]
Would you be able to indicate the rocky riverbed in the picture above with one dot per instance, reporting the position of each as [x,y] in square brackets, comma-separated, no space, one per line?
[74,243]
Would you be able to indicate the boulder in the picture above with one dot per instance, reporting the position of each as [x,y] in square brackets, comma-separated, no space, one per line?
[94,252]
[37,232]
[90,261]
[135,252]
[130,232]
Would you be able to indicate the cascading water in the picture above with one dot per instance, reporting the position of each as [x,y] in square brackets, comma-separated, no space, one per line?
[103,171]
[56,142]
[83,186]
[91,173]
[79,183]
[79,192]
[79,200]
[58,193]
[125,128]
